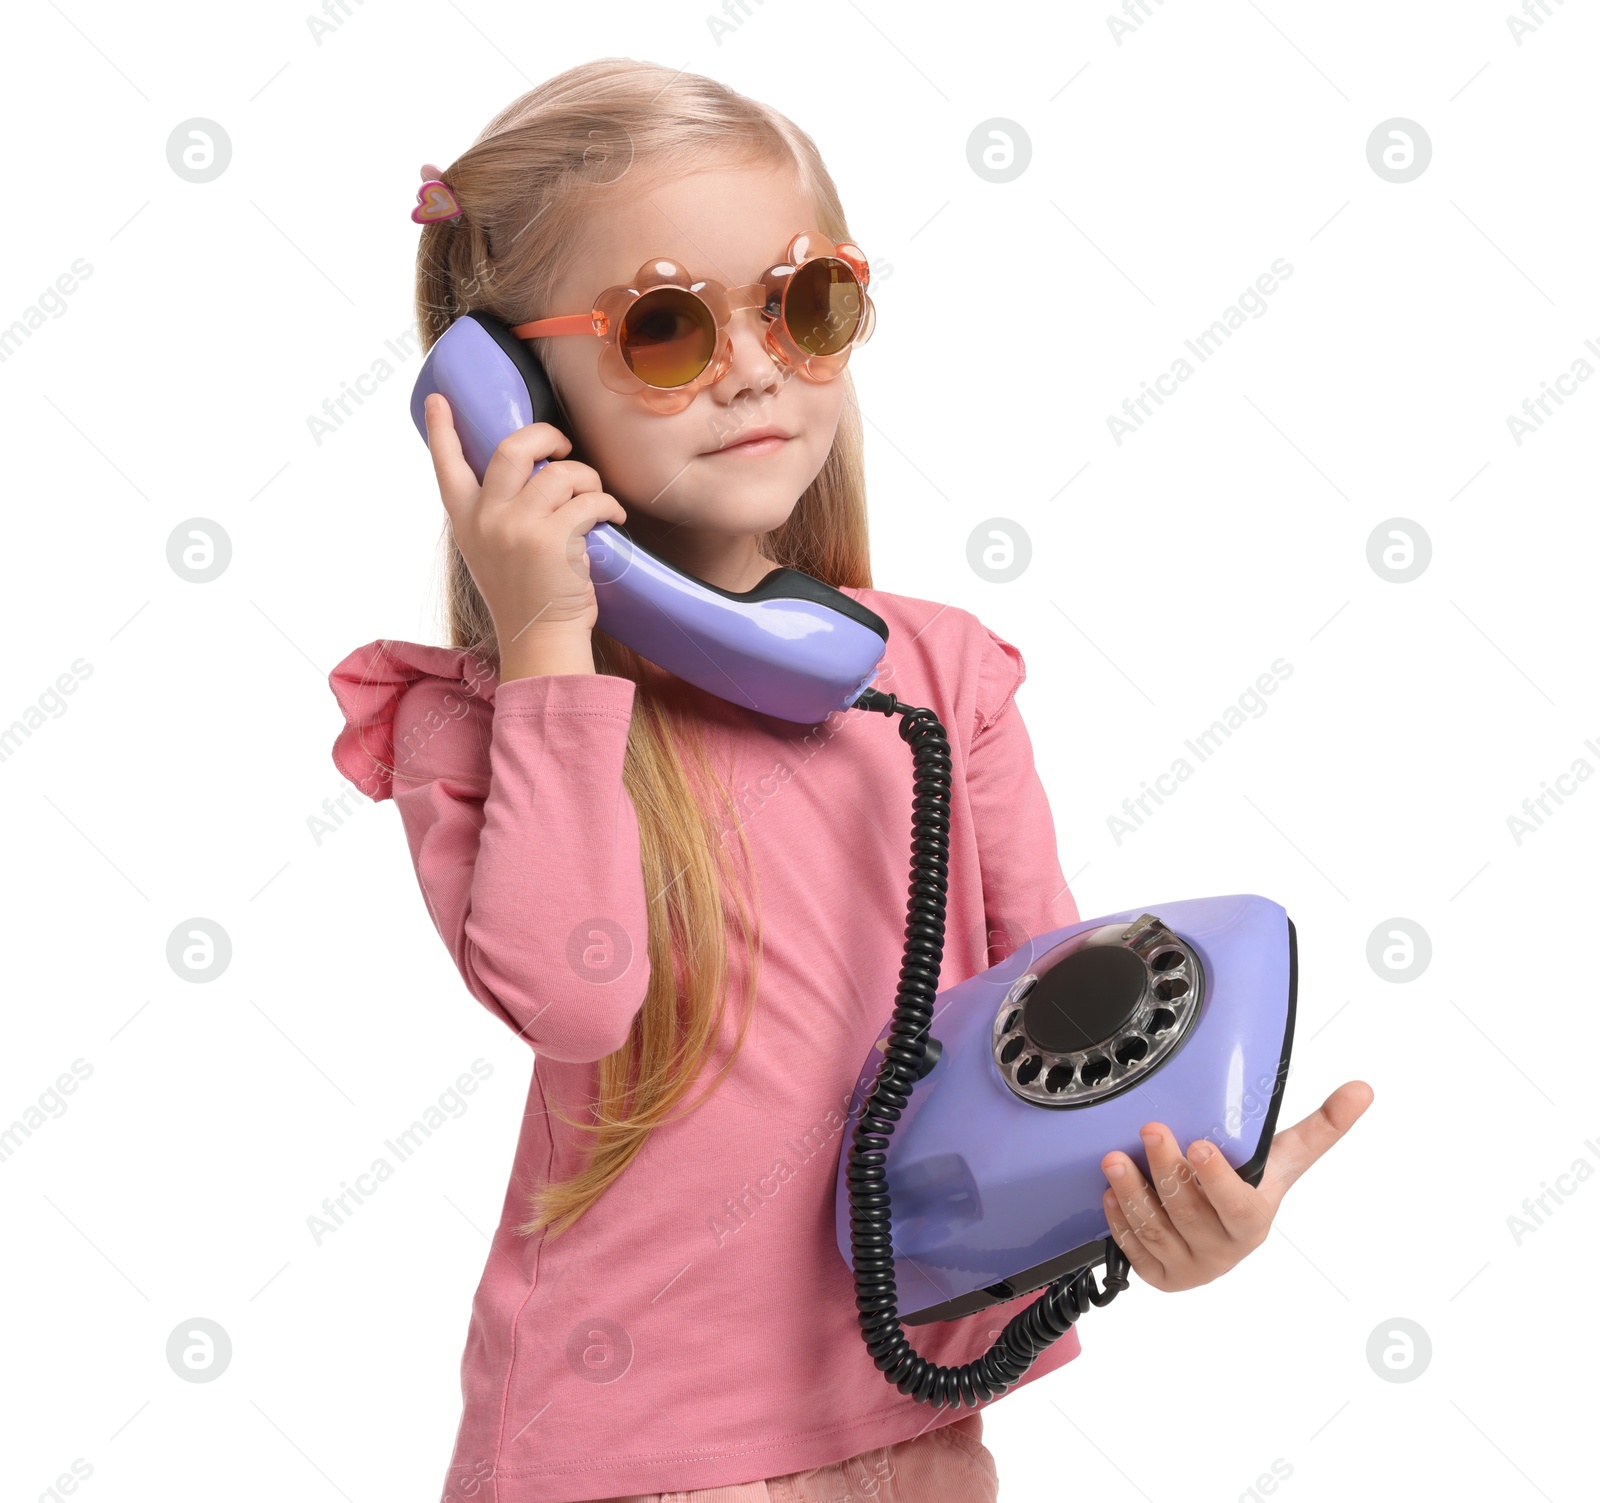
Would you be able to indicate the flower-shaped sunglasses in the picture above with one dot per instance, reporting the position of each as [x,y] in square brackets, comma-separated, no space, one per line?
[665,336]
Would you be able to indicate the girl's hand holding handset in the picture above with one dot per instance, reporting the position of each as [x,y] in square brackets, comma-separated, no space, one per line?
[523,539]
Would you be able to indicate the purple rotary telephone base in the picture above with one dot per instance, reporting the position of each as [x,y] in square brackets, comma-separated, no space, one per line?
[1182,1013]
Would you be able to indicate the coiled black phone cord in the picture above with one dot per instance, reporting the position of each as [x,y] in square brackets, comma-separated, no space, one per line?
[1049,1318]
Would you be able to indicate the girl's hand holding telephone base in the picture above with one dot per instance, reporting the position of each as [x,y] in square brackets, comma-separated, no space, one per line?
[1207,1218]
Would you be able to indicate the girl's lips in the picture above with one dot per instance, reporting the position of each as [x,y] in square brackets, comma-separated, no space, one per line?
[753,446]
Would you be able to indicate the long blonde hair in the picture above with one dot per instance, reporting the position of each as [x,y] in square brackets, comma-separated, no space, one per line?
[525,186]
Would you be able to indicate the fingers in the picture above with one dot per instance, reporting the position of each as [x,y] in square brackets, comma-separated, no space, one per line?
[578,516]
[457,483]
[511,469]
[1171,1220]
[1140,1259]
[588,507]
[1239,1207]
[557,483]
[512,462]
[1183,1197]
[1297,1148]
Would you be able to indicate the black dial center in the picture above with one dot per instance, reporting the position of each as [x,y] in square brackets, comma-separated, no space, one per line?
[1084,998]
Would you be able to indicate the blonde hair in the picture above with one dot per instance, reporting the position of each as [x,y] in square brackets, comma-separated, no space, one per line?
[525,187]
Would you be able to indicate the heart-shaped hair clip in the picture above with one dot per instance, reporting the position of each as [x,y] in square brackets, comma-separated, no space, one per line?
[435,201]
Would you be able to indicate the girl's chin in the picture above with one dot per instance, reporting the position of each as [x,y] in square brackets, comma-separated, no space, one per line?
[747,490]
[733,512]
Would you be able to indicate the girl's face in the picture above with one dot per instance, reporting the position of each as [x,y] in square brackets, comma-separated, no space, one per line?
[728,225]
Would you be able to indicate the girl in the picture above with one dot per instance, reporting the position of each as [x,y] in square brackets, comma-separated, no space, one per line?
[665,1309]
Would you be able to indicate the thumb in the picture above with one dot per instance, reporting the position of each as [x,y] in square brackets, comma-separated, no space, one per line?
[1297,1148]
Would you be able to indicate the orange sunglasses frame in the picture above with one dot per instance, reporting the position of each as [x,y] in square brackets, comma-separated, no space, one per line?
[610,310]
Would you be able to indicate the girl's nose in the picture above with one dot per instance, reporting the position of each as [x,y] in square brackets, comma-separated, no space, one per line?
[752,367]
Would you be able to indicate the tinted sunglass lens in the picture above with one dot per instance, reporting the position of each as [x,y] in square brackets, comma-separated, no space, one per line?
[822,306]
[667,337]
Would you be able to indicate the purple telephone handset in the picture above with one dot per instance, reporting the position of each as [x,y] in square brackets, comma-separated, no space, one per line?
[791,647]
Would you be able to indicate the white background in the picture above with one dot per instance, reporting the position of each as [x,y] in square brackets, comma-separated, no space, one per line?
[1168,171]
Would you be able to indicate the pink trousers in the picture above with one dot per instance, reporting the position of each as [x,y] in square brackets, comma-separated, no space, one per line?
[950,1464]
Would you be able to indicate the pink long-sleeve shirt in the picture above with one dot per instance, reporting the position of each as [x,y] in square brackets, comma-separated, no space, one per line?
[697,1327]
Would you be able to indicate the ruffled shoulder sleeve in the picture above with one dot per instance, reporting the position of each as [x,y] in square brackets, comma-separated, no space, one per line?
[1001,672]
[369,685]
